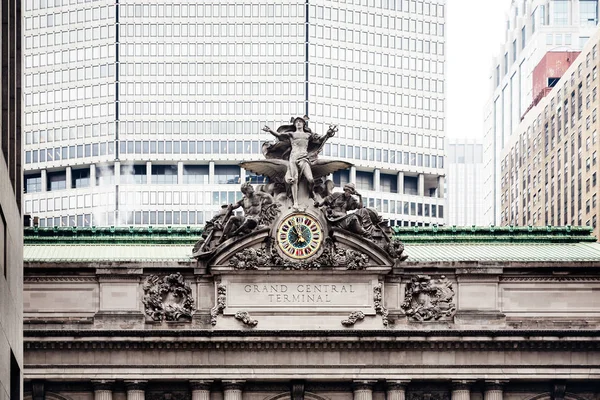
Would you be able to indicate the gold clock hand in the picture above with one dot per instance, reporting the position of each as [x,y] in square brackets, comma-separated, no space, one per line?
[298,230]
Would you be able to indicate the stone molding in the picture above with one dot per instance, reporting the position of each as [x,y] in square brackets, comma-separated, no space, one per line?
[201,385]
[363,385]
[397,385]
[103,385]
[135,385]
[233,385]
[61,279]
[549,279]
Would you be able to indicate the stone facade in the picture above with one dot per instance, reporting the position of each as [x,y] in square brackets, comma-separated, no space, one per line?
[516,326]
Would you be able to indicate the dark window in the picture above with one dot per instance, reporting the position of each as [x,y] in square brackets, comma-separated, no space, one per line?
[164,174]
[389,183]
[364,180]
[57,180]
[411,185]
[340,178]
[33,183]
[105,175]
[227,174]
[253,178]
[80,178]
[195,174]
[133,174]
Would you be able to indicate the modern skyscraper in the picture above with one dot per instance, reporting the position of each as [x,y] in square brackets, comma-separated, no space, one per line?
[11,218]
[533,28]
[464,181]
[550,169]
[138,112]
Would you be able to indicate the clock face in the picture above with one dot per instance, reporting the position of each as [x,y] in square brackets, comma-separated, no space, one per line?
[299,236]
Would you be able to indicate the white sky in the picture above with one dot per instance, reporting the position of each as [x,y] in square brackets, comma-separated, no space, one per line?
[474,33]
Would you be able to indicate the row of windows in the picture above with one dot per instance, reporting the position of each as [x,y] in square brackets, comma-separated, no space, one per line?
[43,4]
[283,49]
[70,114]
[211,10]
[228,128]
[146,218]
[68,57]
[222,30]
[236,89]
[84,15]
[64,38]
[54,97]
[327,111]
[215,69]
[130,217]
[69,152]
[69,133]
[374,38]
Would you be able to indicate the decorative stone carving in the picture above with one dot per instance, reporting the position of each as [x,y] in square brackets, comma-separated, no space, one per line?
[298,187]
[332,255]
[395,249]
[423,395]
[168,299]
[251,258]
[353,318]
[168,396]
[378,302]
[220,303]
[428,299]
[245,318]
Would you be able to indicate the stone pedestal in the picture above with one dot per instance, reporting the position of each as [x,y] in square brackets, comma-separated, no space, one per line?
[136,390]
[232,390]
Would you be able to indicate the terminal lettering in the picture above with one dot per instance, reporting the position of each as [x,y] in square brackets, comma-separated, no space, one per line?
[299,293]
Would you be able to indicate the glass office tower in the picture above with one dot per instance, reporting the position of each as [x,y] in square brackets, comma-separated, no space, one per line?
[137,113]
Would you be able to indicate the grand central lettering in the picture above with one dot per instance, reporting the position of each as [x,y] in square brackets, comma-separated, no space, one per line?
[299,293]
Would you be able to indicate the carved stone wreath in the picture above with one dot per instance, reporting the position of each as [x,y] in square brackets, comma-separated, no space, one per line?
[428,299]
[168,298]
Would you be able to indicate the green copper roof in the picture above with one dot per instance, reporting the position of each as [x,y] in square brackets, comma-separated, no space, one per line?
[435,252]
[427,235]
[430,244]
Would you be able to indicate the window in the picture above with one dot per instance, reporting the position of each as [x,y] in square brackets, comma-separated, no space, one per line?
[195,174]
[364,180]
[411,185]
[523,37]
[340,178]
[389,183]
[105,175]
[80,178]
[588,12]
[33,183]
[57,180]
[227,174]
[560,14]
[164,174]
[133,174]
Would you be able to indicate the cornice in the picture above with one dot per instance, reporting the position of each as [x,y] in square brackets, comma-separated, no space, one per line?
[455,344]
[305,334]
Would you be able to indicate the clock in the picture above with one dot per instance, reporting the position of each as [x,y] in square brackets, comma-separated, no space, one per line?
[299,236]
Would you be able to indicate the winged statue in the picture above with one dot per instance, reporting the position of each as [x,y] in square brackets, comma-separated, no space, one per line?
[294,156]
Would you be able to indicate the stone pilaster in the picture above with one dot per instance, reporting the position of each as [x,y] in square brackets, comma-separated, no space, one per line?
[148,172]
[103,390]
[396,390]
[200,390]
[363,390]
[461,390]
[232,390]
[493,390]
[136,390]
